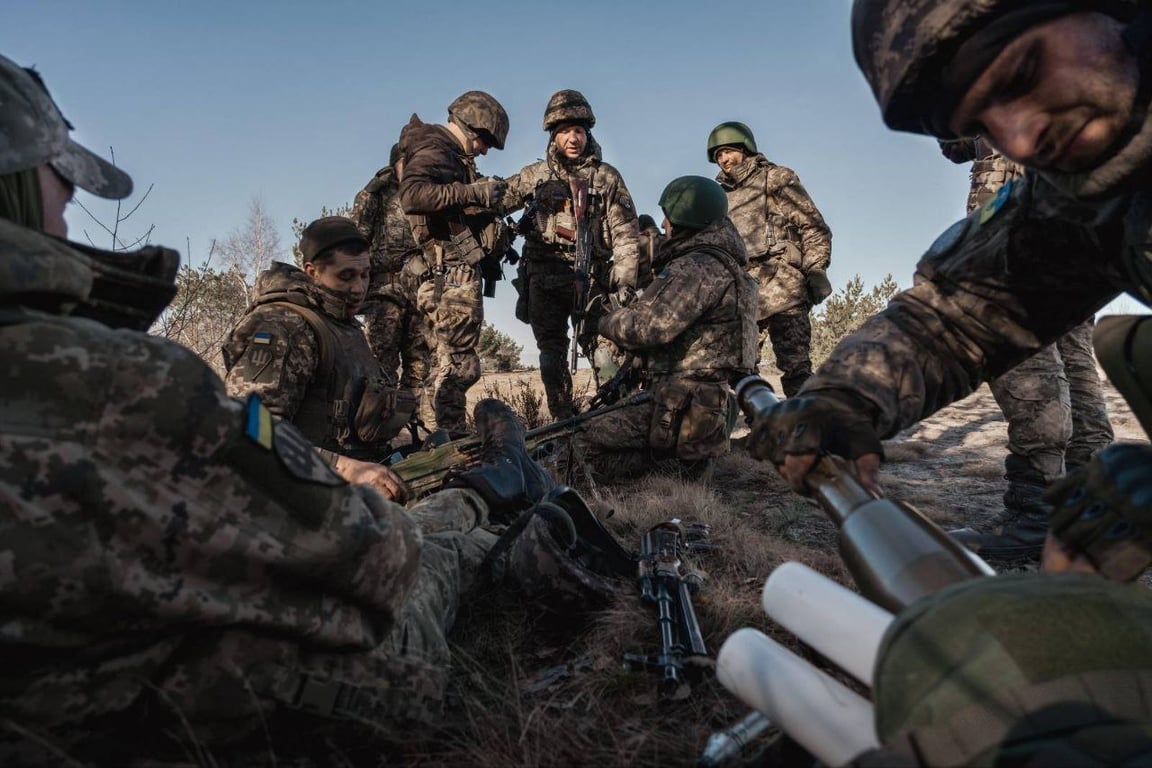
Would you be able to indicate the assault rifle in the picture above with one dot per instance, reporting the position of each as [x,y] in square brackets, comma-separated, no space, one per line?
[583,265]
[666,583]
[425,471]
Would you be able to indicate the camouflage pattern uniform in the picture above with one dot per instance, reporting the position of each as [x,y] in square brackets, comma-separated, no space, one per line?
[648,250]
[696,324]
[395,328]
[434,193]
[276,353]
[549,257]
[786,238]
[180,565]
[1053,401]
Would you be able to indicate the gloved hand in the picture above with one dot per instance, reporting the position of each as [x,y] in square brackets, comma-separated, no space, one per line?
[622,297]
[487,192]
[958,150]
[818,286]
[796,431]
[1103,511]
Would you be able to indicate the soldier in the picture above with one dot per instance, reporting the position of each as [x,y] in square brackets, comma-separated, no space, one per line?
[651,240]
[181,569]
[1053,401]
[394,326]
[300,348]
[696,325]
[551,230]
[1058,87]
[789,245]
[450,209]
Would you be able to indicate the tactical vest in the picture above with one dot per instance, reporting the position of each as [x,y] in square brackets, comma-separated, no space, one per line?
[760,223]
[350,408]
[549,222]
[731,340]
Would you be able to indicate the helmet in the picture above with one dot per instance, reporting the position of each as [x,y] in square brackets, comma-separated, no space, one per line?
[568,107]
[728,135]
[483,114]
[694,202]
[910,50]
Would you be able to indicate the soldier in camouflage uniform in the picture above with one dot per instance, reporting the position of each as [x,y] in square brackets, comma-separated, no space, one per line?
[1055,671]
[550,232]
[1053,401]
[450,209]
[789,245]
[181,569]
[651,240]
[394,326]
[696,325]
[300,349]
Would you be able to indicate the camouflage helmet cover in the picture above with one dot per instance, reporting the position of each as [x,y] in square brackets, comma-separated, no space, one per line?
[481,112]
[568,106]
[34,132]
[694,202]
[731,134]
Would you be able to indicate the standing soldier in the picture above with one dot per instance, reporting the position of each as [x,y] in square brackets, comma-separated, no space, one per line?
[451,211]
[394,326]
[651,240]
[789,245]
[1036,398]
[552,228]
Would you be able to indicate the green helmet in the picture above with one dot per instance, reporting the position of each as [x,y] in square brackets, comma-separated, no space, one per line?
[568,107]
[694,202]
[731,134]
[913,53]
[481,113]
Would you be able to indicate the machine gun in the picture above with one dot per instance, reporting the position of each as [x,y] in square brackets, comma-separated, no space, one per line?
[425,471]
[583,265]
[666,583]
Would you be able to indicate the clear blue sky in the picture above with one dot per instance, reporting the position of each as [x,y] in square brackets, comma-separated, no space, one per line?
[298,103]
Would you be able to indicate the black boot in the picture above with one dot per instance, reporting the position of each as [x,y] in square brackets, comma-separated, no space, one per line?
[508,479]
[1019,531]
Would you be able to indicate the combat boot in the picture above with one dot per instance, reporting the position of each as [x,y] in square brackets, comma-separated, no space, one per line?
[506,477]
[1018,532]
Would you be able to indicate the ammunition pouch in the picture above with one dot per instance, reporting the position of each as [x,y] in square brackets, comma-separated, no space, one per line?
[383,411]
[491,272]
[463,248]
[689,419]
[417,266]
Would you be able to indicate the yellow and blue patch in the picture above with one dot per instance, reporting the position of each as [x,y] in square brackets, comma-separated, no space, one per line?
[993,206]
[262,338]
[259,423]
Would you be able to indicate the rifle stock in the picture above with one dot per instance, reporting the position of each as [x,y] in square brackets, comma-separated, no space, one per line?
[895,554]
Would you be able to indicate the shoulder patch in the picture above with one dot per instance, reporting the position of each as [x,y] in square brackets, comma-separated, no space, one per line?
[948,239]
[993,206]
[626,203]
[300,458]
[259,426]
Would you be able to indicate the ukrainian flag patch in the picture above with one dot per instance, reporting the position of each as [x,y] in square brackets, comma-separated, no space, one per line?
[993,206]
[262,338]
[259,423]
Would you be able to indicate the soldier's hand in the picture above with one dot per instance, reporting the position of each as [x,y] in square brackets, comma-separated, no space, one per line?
[818,285]
[378,476]
[622,297]
[794,433]
[958,150]
[487,192]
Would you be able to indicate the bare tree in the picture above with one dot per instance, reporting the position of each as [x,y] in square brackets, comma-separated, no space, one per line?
[298,228]
[252,247]
[118,241]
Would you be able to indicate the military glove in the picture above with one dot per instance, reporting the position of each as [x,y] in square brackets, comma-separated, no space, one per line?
[813,424]
[958,150]
[1104,511]
[622,297]
[487,193]
[818,286]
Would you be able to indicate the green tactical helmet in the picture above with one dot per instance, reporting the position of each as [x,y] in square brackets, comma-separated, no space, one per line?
[910,50]
[568,107]
[731,134]
[483,114]
[694,202]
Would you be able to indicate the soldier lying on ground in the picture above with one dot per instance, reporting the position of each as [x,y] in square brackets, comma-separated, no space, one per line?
[182,571]
[1062,88]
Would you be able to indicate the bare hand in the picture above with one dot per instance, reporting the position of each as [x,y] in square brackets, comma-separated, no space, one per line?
[378,476]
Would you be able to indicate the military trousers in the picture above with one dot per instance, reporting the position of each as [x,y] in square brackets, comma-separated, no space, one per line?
[453,307]
[791,334]
[396,332]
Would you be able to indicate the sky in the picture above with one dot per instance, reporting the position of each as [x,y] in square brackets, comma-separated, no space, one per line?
[215,104]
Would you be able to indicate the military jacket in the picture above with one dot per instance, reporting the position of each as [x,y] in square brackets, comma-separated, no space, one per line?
[313,367]
[697,318]
[381,220]
[990,169]
[543,188]
[649,245]
[1032,263]
[166,550]
[784,233]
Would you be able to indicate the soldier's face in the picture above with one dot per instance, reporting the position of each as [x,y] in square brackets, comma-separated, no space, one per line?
[571,140]
[479,146]
[347,273]
[55,194]
[728,158]
[1057,97]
